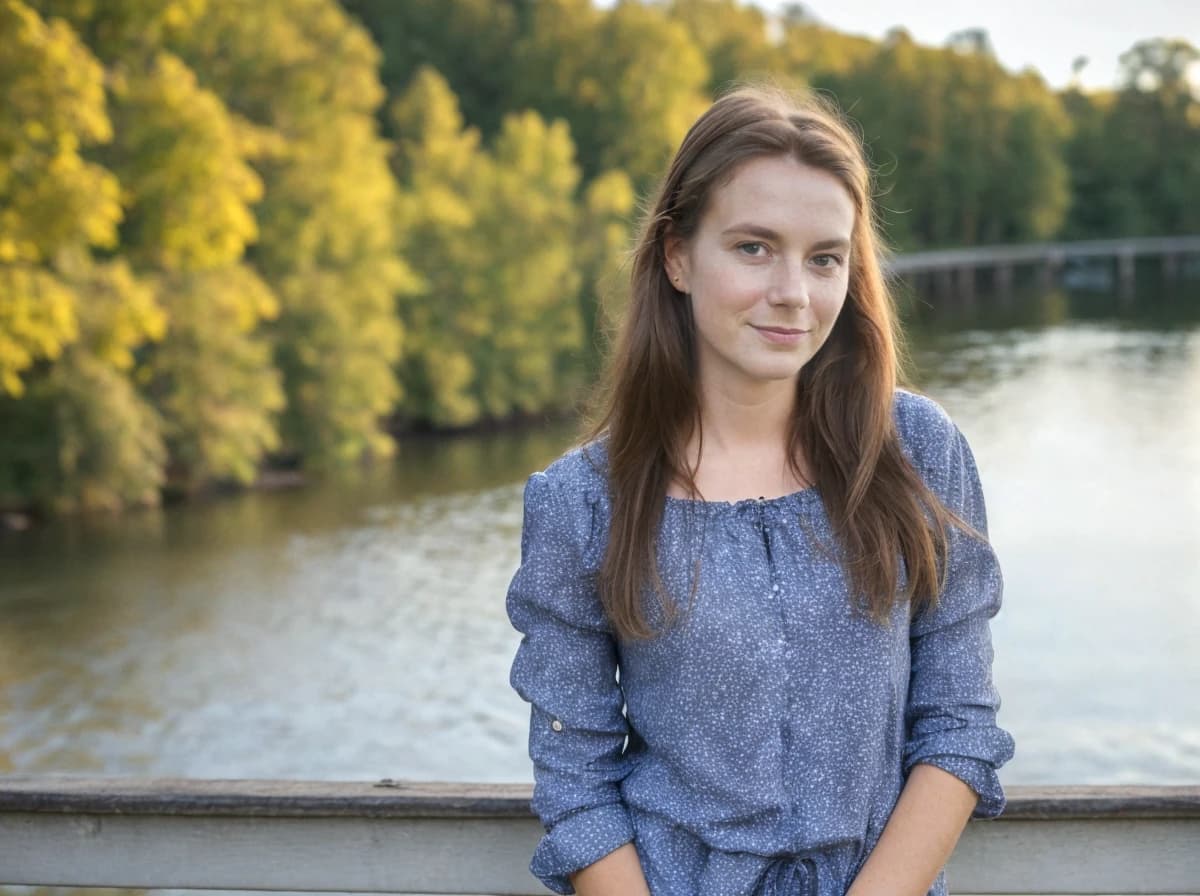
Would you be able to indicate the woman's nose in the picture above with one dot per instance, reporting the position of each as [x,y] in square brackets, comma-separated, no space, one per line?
[789,285]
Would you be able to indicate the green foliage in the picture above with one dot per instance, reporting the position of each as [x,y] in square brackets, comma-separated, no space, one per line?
[524,250]
[77,433]
[629,81]
[212,378]
[644,86]
[114,28]
[436,161]
[51,198]
[209,254]
[180,156]
[1135,168]
[80,439]
[602,243]
[190,220]
[469,41]
[965,152]
[305,75]
[189,187]
[495,325]
[808,48]
[732,36]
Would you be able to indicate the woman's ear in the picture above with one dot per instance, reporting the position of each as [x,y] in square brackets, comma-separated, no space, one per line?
[676,261]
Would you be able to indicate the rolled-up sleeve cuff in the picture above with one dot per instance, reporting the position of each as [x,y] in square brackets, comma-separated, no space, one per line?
[579,840]
[979,775]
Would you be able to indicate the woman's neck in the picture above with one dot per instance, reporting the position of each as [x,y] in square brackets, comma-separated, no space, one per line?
[742,448]
[746,421]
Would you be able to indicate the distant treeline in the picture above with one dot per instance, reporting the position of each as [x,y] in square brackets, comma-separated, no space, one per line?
[236,233]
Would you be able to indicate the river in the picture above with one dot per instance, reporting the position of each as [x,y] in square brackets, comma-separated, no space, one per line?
[355,629]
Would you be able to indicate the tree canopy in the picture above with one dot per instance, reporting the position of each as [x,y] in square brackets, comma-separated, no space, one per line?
[236,234]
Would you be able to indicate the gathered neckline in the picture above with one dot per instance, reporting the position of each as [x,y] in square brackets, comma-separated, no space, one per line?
[803,494]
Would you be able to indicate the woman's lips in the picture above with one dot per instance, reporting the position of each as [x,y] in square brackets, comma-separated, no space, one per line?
[781,335]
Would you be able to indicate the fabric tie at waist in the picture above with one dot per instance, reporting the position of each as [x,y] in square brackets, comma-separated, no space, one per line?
[764,875]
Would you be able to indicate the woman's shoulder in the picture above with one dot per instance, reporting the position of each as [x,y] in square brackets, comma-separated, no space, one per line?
[581,470]
[926,430]
[916,412]
[576,483]
[567,502]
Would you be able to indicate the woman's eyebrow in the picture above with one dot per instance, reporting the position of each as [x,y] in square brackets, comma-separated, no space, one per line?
[767,233]
[832,244]
[751,230]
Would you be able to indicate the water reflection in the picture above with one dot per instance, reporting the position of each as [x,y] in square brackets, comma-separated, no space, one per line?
[1087,436]
[355,628]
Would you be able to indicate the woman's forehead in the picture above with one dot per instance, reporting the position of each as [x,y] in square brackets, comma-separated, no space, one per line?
[783,195]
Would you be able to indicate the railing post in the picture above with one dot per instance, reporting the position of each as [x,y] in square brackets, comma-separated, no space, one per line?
[1126,270]
[1002,278]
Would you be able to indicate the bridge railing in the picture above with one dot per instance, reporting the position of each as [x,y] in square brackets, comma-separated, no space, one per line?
[416,837]
[1054,254]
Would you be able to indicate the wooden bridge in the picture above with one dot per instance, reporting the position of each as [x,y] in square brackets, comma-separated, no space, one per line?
[409,837]
[956,269]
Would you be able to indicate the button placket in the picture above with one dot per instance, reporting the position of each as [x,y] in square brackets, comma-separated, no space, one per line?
[764,529]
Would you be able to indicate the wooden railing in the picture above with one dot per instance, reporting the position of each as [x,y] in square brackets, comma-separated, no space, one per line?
[1053,254]
[410,837]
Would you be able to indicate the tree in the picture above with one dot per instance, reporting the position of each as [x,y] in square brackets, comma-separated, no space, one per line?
[435,161]
[732,36]
[78,433]
[183,162]
[965,151]
[1161,105]
[533,356]
[808,49]
[629,81]
[305,75]
[1160,65]
[469,42]
[1133,163]
[496,325]
[602,250]
[52,199]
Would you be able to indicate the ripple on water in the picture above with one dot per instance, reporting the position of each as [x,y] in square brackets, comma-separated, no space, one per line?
[374,643]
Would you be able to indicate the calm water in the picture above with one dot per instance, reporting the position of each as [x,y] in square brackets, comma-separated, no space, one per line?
[356,630]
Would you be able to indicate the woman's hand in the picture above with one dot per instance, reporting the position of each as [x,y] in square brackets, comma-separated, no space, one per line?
[617,874]
[919,837]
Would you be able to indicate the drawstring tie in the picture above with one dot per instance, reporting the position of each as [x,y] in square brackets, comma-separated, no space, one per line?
[789,876]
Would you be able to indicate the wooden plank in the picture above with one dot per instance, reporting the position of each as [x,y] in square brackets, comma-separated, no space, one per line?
[188,796]
[436,837]
[1077,856]
[462,856]
[436,799]
[339,854]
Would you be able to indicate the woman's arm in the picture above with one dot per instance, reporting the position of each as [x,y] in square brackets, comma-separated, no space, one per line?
[566,667]
[924,827]
[953,745]
[617,874]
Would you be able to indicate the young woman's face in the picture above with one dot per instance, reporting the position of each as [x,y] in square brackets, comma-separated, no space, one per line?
[767,270]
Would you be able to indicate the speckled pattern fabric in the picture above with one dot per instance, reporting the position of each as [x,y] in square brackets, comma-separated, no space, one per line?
[758,746]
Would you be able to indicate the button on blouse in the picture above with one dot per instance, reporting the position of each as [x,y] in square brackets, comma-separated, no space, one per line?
[759,745]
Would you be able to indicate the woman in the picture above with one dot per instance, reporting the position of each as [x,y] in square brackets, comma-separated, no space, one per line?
[755,603]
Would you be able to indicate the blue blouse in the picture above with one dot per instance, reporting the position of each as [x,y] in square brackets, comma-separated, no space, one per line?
[758,746]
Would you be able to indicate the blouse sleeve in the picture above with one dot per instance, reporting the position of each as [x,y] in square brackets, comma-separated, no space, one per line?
[952,702]
[565,667]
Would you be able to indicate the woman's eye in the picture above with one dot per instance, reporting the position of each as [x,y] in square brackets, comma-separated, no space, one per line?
[828,261]
[754,250]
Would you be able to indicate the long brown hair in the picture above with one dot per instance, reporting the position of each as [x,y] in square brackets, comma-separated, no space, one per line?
[842,425]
